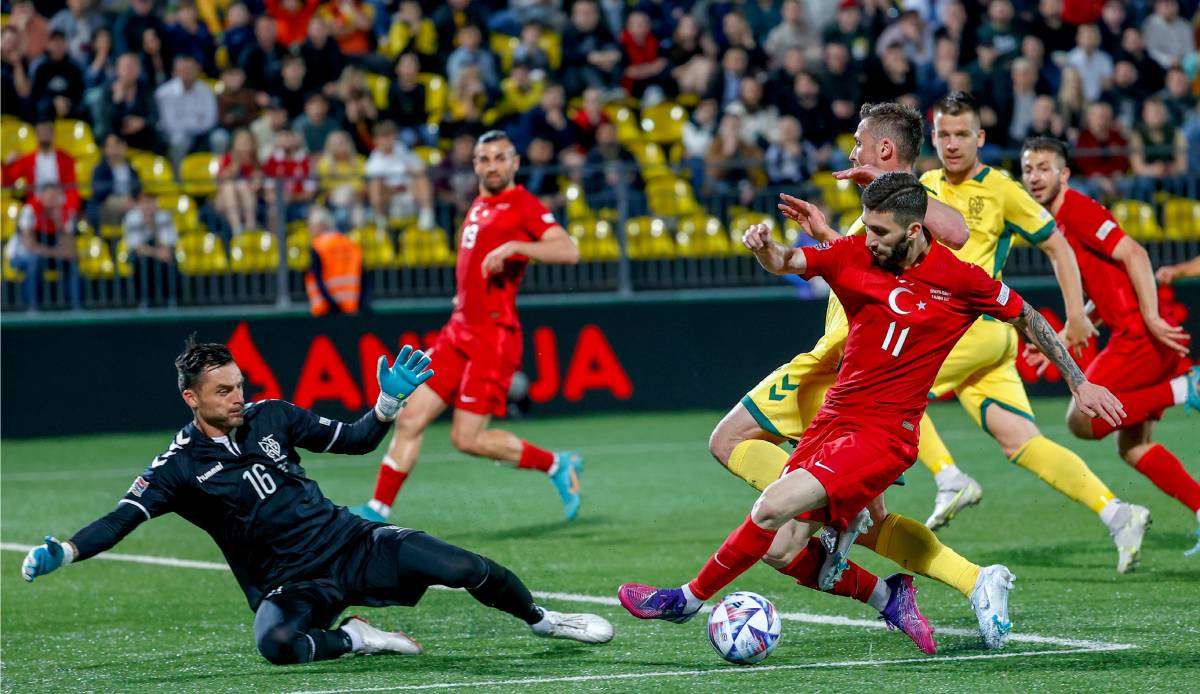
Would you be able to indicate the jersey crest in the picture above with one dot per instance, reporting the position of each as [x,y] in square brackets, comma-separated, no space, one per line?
[271,447]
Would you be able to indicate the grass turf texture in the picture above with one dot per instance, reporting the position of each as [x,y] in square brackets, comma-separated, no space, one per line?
[655,505]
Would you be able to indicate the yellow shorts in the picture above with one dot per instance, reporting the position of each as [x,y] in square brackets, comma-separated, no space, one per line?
[785,402]
[981,370]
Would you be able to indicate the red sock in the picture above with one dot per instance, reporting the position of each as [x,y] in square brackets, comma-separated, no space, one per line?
[741,550]
[534,458]
[1168,474]
[388,484]
[856,582]
[1139,405]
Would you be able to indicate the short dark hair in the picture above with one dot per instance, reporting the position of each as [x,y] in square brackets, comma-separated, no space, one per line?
[1045,143]
[956,104]
[197,358]
[493,136]
[899,123]
[899,193]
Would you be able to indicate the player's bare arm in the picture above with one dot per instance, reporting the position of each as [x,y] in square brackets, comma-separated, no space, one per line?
[776,258]
[943,221]
[1090,399]
[1078,329]
[1169,273]
[1141,275]
[555,246]
[810,217]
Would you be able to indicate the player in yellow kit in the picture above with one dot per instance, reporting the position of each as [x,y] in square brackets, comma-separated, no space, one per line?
[981,370]
[780,408]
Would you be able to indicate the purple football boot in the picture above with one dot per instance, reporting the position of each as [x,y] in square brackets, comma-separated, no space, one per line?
[902,613]
[648,602]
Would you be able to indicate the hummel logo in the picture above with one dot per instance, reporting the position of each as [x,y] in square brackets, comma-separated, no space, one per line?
[212,471]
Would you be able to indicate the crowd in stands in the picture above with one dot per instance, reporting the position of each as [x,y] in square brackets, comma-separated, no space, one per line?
[370,107]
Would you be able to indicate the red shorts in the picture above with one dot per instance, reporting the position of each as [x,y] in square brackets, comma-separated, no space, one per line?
[1131,361]
[474,365]
[855,461]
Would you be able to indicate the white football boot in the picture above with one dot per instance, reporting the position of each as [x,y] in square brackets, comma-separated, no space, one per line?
[375,640]
[576,626]
[989,599]
[958,494]
[837,549]
[1127,528]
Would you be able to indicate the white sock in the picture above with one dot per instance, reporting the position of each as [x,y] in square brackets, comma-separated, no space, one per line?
[541,626]
[693,602]
[1109,512]
[356,643]
[553,466]
[1179,387]
[950,477]
[880,596]
[379,507]
[1198,515]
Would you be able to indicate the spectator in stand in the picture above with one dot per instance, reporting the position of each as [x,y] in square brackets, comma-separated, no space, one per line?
[150,236]
[609,165]
[314,125]
[688,53]
[793,64]
[237,105]
[1000,31]
[893,77]
[323,59]
[519,94]
[32,27]
[759,119]
[470,52]
[188,36]
[734,167]
[406,100]
[359,113]
[1158,152]
[908,32]
[1177,96]
[644,64]
[456,183]
[1133,49]
[334,282]
[1169,37]
[1113,23]
[1191,132]
[808,106]
[791,160]
[157,63]
[590,52]
[239,180]
[291,89]
[263,59]
[850,31]
[736,32]
[468,100]
[102,66]
[1046,122]
[1048,26]
[452,16]
[14,74]
[1015,110]
[986,78]
[588,117]
[548,121]
[397,187]
[289,184]
[274,119]
[46,165]
[698,134]
[664,14]
[1125,95]
[239,32]
[1071,100]
[79,23]
[933,78]
[131,25]
[1094,65]
[45,240]
[341,170]
[841,83]
[292,18]
[127,107]
[538,173]
[529,50]
[1048,75]
[351,22]
[1098,150]
[727,81]
[115,185]
[187,110]
[412,32]
[793,32]
[57,80]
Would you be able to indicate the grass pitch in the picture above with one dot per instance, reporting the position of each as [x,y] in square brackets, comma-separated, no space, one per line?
[655,505]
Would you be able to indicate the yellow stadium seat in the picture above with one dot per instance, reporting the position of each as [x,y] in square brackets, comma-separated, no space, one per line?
[253,252]
[840,196]
[123,261]
[503,46]
[12,213]
[627,124]
[702,236]
[845,143]
[111,231]
[436,95]
[376,245]
[425,248]
[183,212]
[577,205]
[663,122]
[650,159]
[95,261]
[222,57]
[299,250]
[201,254]
[596,240]
[378,85]
[84,166]
[1137,219]
[1181,217]
[11,274]
[432,156]
[198,174]
[647,239]
[16,138]
[551,42]
[671,197]
[75,138]
[155,172]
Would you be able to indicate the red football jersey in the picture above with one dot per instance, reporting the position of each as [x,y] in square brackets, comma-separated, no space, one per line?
[902,326]
[1093,234]
[514,215]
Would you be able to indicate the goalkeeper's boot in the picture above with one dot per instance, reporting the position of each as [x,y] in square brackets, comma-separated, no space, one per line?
[837,549]
[568,466]
[648,602]
[902,613]
[374,640]
[952,497]
[1193,390]
[366,512]
[989,599]
[1195,550]
[1127,528]
[581,626]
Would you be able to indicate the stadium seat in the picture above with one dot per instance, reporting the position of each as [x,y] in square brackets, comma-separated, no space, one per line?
[95,261]
[111,231]
[425,248]
[671,197]
[742,220]
[183,212]
[253,252]
[378,85]
[11,210]
[222,57]
[376,244]
[647,239]
[1137,219]
[11,274]
[596,241]
[578,209]
[839,196]
[702,236]
[123,262]
[1181,219]
[845,143]
[650,160]
[84,166]
[503,46]
[201,254]
[299,250]
[432,156]
[155,172]
[436,95]
[198,174]
[17,137]
[623,117]
[75,138]
[663,123]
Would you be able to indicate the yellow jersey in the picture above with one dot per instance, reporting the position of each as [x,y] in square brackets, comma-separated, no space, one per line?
[995,207]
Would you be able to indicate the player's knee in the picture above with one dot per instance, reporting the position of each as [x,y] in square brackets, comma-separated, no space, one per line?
[1079,424]
[720,444]
[769,513]
[465,441]
[278,646]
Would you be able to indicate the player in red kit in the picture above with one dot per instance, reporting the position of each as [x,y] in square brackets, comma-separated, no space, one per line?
[479,349]
[908,301]
[1145,362]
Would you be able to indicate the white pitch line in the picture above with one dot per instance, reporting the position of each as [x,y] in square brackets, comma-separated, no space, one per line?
[1080,645]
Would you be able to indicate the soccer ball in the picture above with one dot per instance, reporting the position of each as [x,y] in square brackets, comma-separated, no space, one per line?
[744,628]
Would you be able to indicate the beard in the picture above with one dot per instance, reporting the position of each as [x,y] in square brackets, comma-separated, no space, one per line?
[1051,193]
[502,183]
[894,261]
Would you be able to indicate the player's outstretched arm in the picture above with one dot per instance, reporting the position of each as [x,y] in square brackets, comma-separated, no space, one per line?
[99,536]
[1091,399]
[810,217]
[775,257]
[943,221]
[1141,275]
[556,246]
[1078,329]
[1169,273]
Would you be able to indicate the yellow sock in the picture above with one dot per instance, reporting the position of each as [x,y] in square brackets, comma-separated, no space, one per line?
[914,547]
[932,451]
[757,462]
[1060,468]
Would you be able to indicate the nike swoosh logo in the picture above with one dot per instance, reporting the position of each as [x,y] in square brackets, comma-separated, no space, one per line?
[823,466]
[464,398]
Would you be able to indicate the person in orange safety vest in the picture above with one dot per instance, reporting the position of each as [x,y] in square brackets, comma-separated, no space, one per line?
[334,280]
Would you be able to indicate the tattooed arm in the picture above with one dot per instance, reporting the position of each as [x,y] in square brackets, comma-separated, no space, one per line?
[1091,399]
